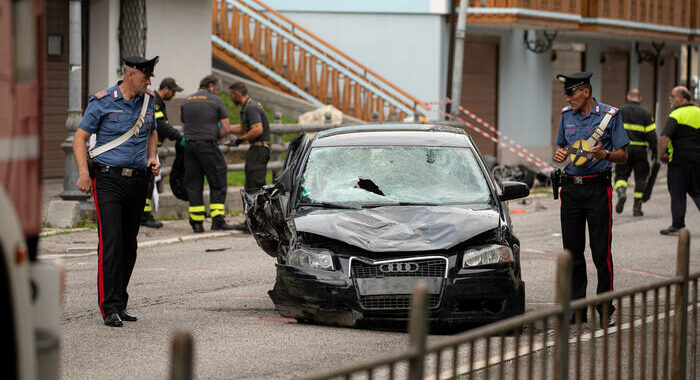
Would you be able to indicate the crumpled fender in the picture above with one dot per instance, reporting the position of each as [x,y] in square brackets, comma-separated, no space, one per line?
[264,209]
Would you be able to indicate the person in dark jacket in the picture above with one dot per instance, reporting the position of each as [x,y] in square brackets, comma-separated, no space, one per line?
[641,130]
[205,120]
[680,148]
[168,88]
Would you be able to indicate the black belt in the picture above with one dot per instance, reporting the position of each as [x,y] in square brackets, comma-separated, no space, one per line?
[124,172]
[266,144]
[587,179]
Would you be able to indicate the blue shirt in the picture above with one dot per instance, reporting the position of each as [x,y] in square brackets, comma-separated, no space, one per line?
[108,115]
[574,126]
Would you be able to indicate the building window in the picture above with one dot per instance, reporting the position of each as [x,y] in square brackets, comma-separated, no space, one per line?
[54,46]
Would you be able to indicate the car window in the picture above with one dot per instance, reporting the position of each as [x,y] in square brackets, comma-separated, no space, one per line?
[377,175]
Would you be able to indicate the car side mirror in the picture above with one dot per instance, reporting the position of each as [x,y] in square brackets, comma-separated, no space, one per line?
[513,190]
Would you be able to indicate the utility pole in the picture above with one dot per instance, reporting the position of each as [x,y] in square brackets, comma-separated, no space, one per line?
[75,109]
[460,36]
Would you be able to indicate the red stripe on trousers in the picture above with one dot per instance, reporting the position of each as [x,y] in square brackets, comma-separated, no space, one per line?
[609,258]
[100,278]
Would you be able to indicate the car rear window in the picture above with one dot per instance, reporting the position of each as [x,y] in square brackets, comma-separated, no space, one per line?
[378,175]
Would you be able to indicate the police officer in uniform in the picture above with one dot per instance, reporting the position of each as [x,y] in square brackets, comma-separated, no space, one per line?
[168,89]
[641,130]
[120,179]
[255,129]
[205,120]
[586,192]
[680,148]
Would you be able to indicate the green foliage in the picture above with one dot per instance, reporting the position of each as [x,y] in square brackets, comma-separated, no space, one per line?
[234,112]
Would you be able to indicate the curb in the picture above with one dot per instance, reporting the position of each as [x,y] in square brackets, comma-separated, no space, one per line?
[154,243]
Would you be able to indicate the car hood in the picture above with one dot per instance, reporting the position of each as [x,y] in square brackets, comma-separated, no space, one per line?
[399,228]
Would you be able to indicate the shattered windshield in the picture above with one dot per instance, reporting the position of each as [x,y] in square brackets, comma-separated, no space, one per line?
[366,176]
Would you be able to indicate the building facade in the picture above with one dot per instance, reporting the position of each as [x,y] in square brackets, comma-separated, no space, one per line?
[513,51]
[176,30]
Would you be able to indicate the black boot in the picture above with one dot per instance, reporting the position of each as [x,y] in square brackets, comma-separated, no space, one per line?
[218,223]
[196,226]
[621,198]
[147,220]
[637,208]
[243,227]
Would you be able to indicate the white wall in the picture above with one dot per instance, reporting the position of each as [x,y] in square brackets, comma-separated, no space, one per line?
[179,32]
[525,96]
[406,49]
[104,59]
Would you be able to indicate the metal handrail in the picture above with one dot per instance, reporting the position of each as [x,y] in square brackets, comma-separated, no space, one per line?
[342,54]
[674,351]
[376,91]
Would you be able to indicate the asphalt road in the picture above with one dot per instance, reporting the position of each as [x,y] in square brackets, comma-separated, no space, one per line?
[216,288]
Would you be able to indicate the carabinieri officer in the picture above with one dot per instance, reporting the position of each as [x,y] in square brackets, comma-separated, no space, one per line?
[119,179]
[586,193]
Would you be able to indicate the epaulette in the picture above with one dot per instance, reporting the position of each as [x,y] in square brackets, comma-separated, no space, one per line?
[612,111]
[101,94]
[567,108]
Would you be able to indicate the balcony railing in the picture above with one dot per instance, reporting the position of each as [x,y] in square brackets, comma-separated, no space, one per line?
[679,19]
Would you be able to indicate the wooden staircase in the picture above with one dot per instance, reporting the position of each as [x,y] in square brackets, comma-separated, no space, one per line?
[278,53]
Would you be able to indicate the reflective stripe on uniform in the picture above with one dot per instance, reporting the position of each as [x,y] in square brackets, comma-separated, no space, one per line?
[620,183]
[197,208]
[147,207]
[216,209]
[197,217]
[639,128]
[638,195]
[640,143]
[160,115]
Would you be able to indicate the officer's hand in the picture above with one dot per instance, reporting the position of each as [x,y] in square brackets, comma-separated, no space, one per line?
[560,155]
[663,156]
[237,142]
[598,152]
[85,183]
[154,165]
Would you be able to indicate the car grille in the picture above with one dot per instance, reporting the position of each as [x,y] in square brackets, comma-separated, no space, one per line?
[415,268]
[395,302]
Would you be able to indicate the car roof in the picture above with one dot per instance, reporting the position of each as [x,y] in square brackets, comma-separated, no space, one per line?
[393,134]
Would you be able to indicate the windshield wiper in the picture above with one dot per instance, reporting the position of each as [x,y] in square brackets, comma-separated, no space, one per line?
[329,205]
[418,204]
[382,204]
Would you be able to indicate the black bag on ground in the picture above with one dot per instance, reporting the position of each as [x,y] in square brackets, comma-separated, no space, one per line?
[177,174]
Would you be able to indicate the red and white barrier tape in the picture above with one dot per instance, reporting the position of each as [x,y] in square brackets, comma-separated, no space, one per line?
[505,137]
[537,162]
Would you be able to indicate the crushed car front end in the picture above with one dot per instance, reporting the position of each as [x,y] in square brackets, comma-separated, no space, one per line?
[362,285]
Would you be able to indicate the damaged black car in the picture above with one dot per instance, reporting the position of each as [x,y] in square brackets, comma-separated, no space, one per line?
[360,214]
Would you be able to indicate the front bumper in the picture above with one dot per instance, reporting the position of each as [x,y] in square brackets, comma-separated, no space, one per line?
[464,295]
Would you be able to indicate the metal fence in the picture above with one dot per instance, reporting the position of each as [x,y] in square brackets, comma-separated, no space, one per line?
[654,337]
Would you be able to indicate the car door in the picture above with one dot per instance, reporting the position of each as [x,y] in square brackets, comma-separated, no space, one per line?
[267,209]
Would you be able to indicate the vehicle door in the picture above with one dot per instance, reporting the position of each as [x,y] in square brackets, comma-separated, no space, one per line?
[267,209]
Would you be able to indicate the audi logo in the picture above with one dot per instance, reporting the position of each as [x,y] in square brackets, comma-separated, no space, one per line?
[399,268]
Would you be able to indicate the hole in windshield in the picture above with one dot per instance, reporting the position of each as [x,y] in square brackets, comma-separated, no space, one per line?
[369,176]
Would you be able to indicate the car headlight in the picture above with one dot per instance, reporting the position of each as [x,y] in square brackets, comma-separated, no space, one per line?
[307,257]
[486,254]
